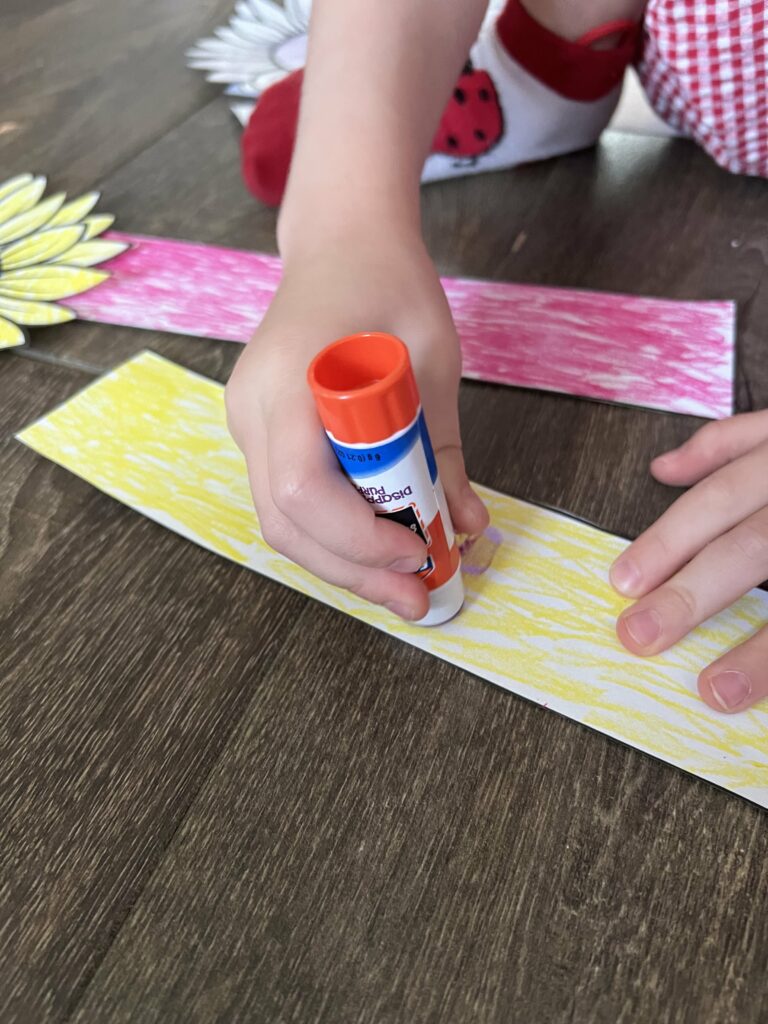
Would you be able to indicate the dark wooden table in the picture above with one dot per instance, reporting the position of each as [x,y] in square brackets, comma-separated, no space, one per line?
[210,809]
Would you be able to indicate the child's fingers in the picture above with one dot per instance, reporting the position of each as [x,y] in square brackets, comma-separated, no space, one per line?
[709,509]
[309,489]
[740,678]
[403,593]
[468,513]
[708,449]
[439,392]
[717,576]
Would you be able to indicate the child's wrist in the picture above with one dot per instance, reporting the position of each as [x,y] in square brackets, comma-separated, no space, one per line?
[306,230]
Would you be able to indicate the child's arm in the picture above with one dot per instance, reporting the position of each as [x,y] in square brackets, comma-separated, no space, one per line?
[377,77]
[706,551]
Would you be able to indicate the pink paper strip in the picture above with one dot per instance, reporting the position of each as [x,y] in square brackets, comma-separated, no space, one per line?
[676,356]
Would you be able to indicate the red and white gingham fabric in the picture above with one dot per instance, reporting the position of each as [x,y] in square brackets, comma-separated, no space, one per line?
[704,67]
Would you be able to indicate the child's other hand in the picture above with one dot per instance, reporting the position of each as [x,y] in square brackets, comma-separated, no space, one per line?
[307,509]
[706,551]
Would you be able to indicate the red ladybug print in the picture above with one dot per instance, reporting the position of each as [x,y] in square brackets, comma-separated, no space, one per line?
[472,123]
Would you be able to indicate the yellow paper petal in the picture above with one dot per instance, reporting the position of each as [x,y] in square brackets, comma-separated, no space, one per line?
[25,223]
[10,334]
[75,210]
[21,199]
[39,248]
[49,282]
[34,314]
[13,183]
[87,254]
[96,224]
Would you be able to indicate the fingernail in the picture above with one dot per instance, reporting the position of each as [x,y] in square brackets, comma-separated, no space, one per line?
[409,564]
[467,542]
[730,689]
[400,609]
[625,576]
[644,627]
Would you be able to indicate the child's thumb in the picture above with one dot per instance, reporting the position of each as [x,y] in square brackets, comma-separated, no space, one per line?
[468,513]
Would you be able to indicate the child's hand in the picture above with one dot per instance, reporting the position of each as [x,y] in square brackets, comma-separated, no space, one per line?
[376,80]
[707,550]
[307,509]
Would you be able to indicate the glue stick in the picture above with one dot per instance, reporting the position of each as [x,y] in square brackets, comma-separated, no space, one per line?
[369,404]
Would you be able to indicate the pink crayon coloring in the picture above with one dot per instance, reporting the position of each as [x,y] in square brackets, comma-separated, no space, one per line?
[658,353]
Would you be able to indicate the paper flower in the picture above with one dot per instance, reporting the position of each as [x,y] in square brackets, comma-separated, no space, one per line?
[46,249]
[262,43]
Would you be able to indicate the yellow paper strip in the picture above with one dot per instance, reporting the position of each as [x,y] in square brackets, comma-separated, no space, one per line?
[539,621]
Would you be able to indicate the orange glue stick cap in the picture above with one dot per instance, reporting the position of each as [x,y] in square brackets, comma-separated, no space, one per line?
[364,387]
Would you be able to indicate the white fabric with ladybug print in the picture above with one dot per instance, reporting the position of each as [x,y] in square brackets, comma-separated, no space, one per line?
[500,116]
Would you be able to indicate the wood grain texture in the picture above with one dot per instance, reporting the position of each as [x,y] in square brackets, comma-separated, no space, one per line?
[221,802]
[389,840]
[86,85]
[124,672]
[638,215]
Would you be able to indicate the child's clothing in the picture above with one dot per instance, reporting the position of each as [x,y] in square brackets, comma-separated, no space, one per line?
[526,94]
[551,96]
[704,66]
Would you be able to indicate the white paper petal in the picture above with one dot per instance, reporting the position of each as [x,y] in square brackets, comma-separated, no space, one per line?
[242,111]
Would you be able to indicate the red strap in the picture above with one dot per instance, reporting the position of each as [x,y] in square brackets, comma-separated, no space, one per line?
[573,70]
[620,27]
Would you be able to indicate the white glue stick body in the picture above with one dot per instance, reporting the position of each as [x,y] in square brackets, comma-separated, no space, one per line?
[369,404]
